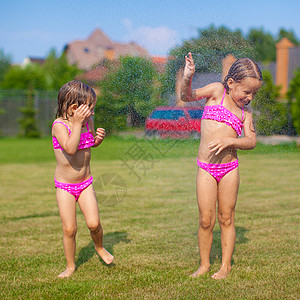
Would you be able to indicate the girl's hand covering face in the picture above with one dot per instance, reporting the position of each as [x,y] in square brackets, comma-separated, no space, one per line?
[82,113]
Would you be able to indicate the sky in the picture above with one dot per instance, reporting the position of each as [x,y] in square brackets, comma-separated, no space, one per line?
[33,28]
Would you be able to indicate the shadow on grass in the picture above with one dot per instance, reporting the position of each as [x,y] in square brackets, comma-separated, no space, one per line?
[32,216]
[216,250]
[110,240]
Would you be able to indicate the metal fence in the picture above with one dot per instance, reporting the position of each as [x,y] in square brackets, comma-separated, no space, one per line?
[11,102]
[294,62]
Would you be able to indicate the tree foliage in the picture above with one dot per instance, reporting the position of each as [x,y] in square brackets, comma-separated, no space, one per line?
[270,116]
[128,94]
[264,45]
[58,71]
[290,34]
[31,77]
[213,44]
[5,64]
[28,123]
[209,49]
[294,100]
[51,76]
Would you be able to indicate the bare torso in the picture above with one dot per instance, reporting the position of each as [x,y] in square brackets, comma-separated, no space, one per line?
[72,168]
[213,130]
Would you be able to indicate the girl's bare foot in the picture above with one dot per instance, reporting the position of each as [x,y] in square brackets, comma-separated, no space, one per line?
[66,273]
[222,273]
[202,270]
[105,255]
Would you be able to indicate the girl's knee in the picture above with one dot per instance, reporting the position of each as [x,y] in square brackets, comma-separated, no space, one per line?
[70,231]
[225,219]
[95,227]
[207,222]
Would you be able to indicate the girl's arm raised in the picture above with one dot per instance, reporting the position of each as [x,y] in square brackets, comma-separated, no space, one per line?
[186,92]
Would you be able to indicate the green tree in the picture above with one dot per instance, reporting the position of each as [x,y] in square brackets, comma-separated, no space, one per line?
[209,49]
[31,77]
[128,94]
[264,45]
[28,124]
[51,76]
[5,64]
[290,34]
[270,116]
[58,71]
[294,100]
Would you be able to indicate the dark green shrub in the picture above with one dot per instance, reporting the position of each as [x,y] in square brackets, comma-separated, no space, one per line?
[294,100]
[270,116]
[28,125]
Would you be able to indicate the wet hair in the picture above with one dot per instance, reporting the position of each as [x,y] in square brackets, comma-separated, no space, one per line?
[242,68]
[73,92]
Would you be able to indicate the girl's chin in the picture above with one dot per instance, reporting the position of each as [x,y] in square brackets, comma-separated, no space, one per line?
[243,103]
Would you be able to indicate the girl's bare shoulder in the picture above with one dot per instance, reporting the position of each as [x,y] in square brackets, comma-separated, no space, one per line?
[216,91]
[59,120]
[210,91]
[59,124]
[219,89]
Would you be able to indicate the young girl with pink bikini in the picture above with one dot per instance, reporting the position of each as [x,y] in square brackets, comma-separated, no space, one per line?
[73,136]
[224,117]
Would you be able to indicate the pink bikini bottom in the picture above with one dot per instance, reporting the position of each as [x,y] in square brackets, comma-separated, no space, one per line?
[74,189]
[218,171]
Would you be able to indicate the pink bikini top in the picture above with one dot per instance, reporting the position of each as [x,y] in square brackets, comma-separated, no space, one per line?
[86,138]
[221,114]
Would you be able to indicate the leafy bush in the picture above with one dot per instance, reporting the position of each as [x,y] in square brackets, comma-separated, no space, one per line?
[294,100]
[270,116]
[28,124]
[209,49]
[128,94]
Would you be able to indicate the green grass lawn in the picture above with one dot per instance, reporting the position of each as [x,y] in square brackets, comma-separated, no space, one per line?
[152,232]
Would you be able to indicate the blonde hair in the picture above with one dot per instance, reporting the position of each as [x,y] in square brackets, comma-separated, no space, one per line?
[73,92]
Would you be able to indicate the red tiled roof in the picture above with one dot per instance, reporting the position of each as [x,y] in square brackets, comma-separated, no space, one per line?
[98,72]
[93,75]
[160,63]
[159,59]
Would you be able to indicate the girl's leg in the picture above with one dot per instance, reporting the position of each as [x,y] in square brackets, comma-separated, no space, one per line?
[227,197]
[89,207]
[67,210]
[206,187]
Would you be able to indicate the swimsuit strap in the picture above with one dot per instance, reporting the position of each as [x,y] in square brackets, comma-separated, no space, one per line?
[87,126]
[222,104]
[223,97]
[63,124]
